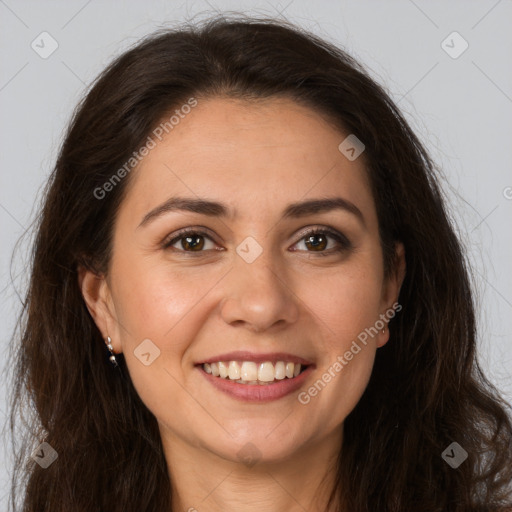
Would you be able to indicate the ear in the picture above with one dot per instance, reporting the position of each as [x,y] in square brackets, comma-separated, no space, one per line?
[98,299]
[391,290]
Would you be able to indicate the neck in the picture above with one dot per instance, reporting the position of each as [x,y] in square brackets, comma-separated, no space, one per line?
[202,480]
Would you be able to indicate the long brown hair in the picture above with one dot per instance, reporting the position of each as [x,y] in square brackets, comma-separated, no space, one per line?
[426,390]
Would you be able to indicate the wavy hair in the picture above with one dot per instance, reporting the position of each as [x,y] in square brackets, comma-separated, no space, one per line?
[426,390]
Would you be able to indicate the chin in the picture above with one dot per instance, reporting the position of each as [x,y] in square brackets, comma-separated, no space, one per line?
[254,448]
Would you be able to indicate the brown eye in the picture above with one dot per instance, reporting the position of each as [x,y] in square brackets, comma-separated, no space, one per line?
[190,241]
[195,243]
[316,242]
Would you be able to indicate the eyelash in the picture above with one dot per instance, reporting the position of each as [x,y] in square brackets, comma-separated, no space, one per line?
[344,243]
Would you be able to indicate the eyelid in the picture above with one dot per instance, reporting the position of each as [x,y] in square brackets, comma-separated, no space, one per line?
[183,232]
[320,229]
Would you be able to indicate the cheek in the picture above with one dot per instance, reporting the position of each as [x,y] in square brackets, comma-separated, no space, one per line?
[346,301]
[345,306]
[154,302]
[157,304]
[339,387]
[168,307]
[346,359]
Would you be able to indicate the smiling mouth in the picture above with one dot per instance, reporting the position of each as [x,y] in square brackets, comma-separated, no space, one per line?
[251,373]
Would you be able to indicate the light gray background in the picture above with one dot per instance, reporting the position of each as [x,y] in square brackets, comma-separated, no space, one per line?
[461,108]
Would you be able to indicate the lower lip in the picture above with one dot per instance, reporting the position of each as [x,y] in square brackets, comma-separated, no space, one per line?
[258,392]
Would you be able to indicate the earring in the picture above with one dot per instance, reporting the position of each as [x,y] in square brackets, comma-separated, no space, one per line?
[111,350]
[384,331]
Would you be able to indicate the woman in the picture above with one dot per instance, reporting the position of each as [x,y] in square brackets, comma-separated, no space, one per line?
[246,294]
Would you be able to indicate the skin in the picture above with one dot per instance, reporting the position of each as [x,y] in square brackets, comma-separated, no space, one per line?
[257,157]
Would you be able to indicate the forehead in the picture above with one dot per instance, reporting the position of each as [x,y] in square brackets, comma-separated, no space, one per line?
[257,156]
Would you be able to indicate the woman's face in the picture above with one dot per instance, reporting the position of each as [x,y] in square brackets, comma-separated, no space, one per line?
[255,286]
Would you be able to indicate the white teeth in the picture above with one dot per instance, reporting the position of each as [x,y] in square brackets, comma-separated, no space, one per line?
[223,370]
[234,370]
[215,369]
[280,370]
[266,372]
[248,372]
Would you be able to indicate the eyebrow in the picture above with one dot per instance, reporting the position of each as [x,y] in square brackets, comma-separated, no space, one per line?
[216,209]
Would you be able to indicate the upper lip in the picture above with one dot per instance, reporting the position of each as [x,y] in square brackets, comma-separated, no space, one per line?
[241,355]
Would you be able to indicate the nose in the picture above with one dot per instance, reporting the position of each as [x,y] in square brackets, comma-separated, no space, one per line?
[259,295]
